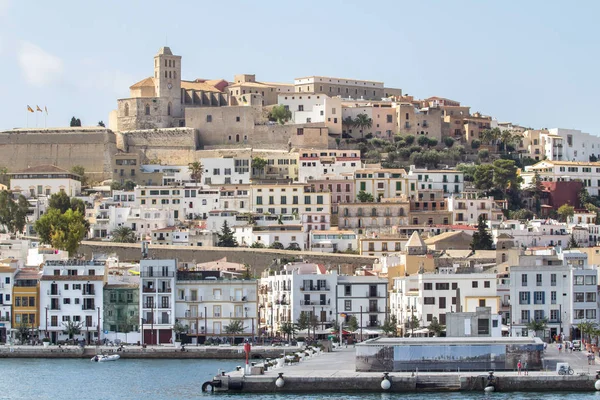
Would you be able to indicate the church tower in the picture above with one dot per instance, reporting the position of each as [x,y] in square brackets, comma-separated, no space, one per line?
[167,80]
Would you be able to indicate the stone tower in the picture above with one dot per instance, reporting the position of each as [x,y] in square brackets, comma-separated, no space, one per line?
[167,79]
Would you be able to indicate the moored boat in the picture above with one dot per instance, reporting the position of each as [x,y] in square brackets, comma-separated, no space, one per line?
[104,358]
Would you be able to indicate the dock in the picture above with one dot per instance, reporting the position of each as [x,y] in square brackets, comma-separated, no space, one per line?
[335,372]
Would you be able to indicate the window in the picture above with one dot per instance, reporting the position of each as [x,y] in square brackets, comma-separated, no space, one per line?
[523,279]
[300,131]
[590,280]
[428,286]
[442,286]
[442,302]
[553,315]
[579,280]
[429,300]
[347,290]
[147,109]
[539,297]
[524,298]
[590,314]
[209,118]
[454,285]
[553,297]
[486,284]
[481,302]
[474,284]
[552,279]
[347,305]
[590,297]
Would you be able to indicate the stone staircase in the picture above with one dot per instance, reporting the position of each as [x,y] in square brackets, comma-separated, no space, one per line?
[438,382]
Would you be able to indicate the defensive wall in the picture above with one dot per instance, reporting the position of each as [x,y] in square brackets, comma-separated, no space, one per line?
[174,146]
[90,147]
[257,259]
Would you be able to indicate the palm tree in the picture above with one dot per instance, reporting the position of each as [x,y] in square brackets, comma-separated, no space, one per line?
[196,170]
[507,138]
[72,328]
[538,325]
[586,328]
[234,328]
[348,122]
[123,234]
[363,122]
[289,329]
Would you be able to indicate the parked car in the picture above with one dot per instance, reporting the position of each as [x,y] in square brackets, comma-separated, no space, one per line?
[577,345]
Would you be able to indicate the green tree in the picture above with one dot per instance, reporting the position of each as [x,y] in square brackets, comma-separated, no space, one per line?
[77,205]
[423,141]
[587,328]
[123,234]
[116,185]
[483,155]
[506,175]
[281,114]
[475,144]
[448,141]
[60,201]
[363,122]
[257,245]
[276,245]
[538,325]
[565,212]
[259,164]
[572,243]
[288,329]
[234,328]
[432,142]
[537,189]
[303,321]
[196,171]
[390,326]
[13,214]
[80,170]
[482,239]
[293,246]
[129,185]
[521,214]
[226,238]
[365,197]
[413,323]
[436,327]
[483,178]
[179,329]
[23,332]
[348,123]
[101,123]
[72,328]
[75,122]
[4,178]
[353,324]
[409,139]
[63,231]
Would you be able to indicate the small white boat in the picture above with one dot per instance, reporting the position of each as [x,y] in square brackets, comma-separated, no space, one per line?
[103,357]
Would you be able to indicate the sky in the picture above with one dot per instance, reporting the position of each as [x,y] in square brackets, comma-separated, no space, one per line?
[534,63]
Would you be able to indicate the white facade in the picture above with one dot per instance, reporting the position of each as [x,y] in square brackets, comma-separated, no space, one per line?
[467,207]
[333,241]
[576,145]
[448,181]
[72,291]
[226,171]
[425,296]
[207,304]
[7,278]
[364,297]
[565,171]
[297,288]
[184,202]
[534,233]
[44,182]
[557,286]
[327,164]
[157,300]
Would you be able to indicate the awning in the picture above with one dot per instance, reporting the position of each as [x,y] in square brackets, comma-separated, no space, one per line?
[505,328]
[133,272]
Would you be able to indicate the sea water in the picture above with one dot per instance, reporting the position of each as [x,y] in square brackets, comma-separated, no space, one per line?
[66,379]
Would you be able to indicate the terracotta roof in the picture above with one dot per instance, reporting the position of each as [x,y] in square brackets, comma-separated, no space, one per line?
[44,169]
[72,278]
[200,84]
[147,82]
[28,273]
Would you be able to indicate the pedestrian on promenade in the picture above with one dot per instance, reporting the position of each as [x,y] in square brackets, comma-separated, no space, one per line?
[525,368]
[571,347]
[519,366]
[589,357]
[559,347]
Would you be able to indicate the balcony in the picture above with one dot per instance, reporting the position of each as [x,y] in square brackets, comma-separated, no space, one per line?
[374,309]
[192,299]
[88,307]
[88,292]
[192,314]
[238,299]
[372,294]
[315,288]
[55,307]
[53,292]
[315,303]
[148,290]
[164,305]
[164,290]
[157,274]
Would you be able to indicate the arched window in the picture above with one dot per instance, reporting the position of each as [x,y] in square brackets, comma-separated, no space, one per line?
[503,257]
[127,109]
[147,109]
[169,74]
[237,138]
[169,108]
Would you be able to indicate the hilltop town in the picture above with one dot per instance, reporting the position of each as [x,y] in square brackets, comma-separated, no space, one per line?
[328,201]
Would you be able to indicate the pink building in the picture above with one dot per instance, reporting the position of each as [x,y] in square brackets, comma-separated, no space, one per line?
[342,191]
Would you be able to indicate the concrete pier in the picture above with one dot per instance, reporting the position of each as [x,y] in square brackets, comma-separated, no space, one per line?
[335,372]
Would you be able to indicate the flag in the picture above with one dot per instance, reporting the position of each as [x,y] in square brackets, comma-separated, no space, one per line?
[46,109]
[38,108]
[29,109]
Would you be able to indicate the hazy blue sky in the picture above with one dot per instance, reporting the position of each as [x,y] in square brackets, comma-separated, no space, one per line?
[534,63]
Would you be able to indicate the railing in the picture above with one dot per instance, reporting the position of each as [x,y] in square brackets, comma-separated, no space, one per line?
[164,305]
[88,292]
[55,307]
[315,288]
[190,314]
[373,294]
[157,274]
[242,299]
[148,290]
[192,298]
[165,290]
[53,292]
[87,307]
[374,309]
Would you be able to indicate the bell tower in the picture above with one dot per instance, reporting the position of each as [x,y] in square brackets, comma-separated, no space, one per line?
[167,80]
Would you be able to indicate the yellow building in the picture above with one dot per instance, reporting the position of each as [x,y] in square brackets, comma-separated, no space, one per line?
[26,295]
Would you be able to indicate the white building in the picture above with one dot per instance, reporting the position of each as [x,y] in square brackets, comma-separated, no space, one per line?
[466,208]
[333,241]
[318,165]
[576,145]
[565,171]
[425,296]
[226,171]
[7,278]
[534,233]
[309,108]
[45,180]
[364,297]
[71,294]
[555,285]
[446,180]
[157,300]
[297,288]
[184,202]
[206,303]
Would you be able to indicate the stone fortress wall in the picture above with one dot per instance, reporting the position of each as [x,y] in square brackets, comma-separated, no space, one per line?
[91,148]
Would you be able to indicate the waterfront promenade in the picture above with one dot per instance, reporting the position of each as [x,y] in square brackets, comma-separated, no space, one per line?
[336,371]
